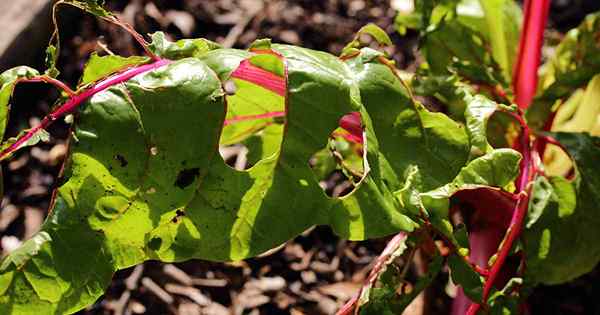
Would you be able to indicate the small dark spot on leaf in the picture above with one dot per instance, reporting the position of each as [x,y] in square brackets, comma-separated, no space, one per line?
[178,214]
[186,177]
[122,161]
[155,243]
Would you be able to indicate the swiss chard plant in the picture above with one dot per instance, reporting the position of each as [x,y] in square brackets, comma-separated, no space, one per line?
[500,183]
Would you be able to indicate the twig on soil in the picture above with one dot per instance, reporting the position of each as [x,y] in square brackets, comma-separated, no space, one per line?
[239,28]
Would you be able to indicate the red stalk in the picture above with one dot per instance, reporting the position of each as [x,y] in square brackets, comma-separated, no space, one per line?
[46,79]
[525,73]
[353,305]
[253,117]
[77,99]
[525,85]
[523,189]
[487,225]
[266,79]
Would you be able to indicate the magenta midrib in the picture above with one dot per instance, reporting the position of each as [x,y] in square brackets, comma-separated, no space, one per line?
[79,98]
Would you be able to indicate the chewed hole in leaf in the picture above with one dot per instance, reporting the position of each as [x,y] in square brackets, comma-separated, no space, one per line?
[155,243]
[186,177]
[121,159]
[178,214]
[340,165]
[501,130]
[557,162]
[254,124]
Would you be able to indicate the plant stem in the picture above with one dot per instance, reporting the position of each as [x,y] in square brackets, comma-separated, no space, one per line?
[353,306]
[525,85]
[523,188]
[253,117]
[532,35]
[137,36]
[46,79]
[261,77]
[77,99]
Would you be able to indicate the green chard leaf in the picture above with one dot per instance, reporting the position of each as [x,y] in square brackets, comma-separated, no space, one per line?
[164,193]
[561,233]
[463,275]
[477,39]
[99,67]
[8,80]
[575,62]
[372,30]
[490,172]
[182,48]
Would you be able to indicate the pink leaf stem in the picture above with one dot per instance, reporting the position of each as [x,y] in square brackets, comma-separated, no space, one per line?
[79,98]
[530,44]
[487,225]
[523,189]
[46,79]
[253,117]
[353,305]
[266,79]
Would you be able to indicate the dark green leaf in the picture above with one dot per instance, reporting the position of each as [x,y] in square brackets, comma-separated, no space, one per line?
[562,235]
[463,275]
